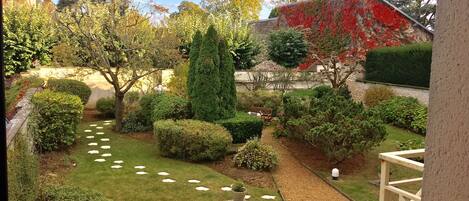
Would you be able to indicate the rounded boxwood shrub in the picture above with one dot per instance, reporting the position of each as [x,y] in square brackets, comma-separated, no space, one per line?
[256,156]
[62,193]
[377,94]
[73,87]
[170,107]
[191,140]
[106,106]
[243,127]
[54,119]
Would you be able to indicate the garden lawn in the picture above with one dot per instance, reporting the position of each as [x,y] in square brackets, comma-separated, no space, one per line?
[123,184]
[358,186]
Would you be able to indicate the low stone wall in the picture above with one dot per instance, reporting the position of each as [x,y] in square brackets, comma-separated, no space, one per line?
[358,89]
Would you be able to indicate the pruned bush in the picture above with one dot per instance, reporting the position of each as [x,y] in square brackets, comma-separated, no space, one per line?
[256,156]
[342,128]
[191,140]
[266,99]
[377,94]
[408,65]
[106,106]
[287,47]
[170,107]
[23,170]
[146,105]
[135,122]
[63,193]
[403,112]
[73,87]
[54,119]
[243,127]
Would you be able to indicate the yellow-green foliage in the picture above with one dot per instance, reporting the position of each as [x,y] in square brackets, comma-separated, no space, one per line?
[23,171]
[178,84]
[377,94]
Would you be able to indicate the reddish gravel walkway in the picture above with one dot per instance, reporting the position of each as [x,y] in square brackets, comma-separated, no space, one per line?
[295,182]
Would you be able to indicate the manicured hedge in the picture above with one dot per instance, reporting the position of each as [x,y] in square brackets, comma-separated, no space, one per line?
[63,193]
[243,127]
[54,119]
[191,140]
[407,65]
[73,87]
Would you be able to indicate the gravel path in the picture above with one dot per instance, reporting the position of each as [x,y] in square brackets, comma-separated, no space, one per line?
[295,182]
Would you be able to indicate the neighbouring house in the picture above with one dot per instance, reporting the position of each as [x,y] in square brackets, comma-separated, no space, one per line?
[369,23]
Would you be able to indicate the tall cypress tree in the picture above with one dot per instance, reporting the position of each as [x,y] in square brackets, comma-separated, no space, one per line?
[193,57]
[205,100]
[227,92]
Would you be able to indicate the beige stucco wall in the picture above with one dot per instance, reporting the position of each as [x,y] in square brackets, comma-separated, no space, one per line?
[446,175]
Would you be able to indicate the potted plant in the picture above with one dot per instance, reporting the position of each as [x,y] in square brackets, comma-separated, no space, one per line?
[239,191]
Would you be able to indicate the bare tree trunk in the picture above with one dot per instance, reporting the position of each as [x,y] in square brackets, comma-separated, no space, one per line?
[119,110]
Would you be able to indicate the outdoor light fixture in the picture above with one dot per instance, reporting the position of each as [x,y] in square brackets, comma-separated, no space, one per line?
[335,174]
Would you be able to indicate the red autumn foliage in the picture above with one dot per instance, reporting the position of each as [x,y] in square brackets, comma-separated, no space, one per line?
[367,23]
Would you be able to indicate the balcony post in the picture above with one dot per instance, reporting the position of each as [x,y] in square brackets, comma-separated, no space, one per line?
[384,181]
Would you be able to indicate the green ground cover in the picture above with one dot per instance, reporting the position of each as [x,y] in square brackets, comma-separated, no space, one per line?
[124,184]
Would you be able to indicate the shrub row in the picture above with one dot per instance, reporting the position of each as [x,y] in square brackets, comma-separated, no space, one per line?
[408,65]
[54,119]
[243,127]
[259,98]
[256,156]
[404,112]
[191,140]
[72,87]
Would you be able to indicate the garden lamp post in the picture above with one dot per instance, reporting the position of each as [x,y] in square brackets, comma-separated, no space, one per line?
[3,133]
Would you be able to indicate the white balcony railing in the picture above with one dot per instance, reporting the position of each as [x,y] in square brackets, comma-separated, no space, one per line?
[401,158]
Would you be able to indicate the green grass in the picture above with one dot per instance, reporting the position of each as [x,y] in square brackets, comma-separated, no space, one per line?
[123,184]
[358,185]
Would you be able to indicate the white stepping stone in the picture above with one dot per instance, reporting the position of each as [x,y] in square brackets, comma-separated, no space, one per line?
[168,180]
[99,127]
[100,160]
[106,155]
[247,197]
[226,188]
[107,121]
[100,133]
[106,147]
[141,173]
[90,137]
[93,125]
[93,144]
[87,131]
[202,188]
[193,181]
[163,173]
[106,124]
[116,166]
[93,152]
[139,167]
[105,139]
[268,197]
[118,162]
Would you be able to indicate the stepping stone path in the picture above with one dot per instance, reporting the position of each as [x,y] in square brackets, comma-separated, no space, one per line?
[141,173]
[226,188]
[116,166]
[168,180]
[193,181]
[202,188]
[139,167]
[163,173]
[106,147]
[100,160]
[100,133]
[105,139]
[93,125]
[99,127]
[118,162]
[93,152]
[93,144]
[87,131]
[106,155]
[90,137]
